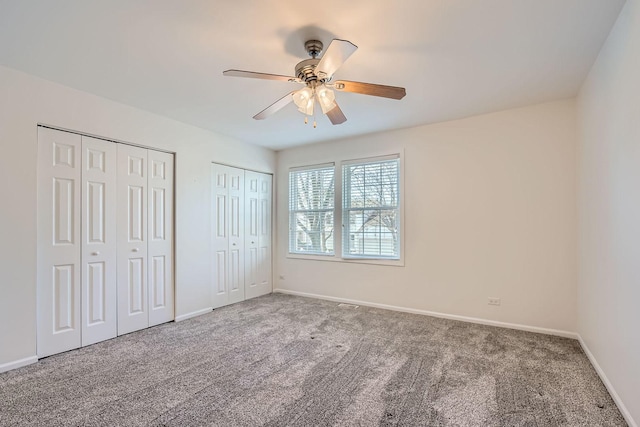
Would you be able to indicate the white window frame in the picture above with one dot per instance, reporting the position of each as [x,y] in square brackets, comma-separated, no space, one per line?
[294,212]
[338,216]
[346,211]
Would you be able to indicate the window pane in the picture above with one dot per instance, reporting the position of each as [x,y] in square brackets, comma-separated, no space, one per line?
[311,203]
[373,232]
[371,209]
[372,185]
[313,232]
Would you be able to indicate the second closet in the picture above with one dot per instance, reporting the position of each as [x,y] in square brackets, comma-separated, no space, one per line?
[241,234]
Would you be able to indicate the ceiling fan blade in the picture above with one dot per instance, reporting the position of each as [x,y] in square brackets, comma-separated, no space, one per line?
[264,76]
[392,92]
[335,55]
[276,106]
[336,115]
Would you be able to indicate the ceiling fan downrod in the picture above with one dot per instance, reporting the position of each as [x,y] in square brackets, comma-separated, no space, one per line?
[305,70]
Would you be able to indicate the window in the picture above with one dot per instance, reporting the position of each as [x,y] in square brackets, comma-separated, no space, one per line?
[359,208]
[311,210]
[370,209]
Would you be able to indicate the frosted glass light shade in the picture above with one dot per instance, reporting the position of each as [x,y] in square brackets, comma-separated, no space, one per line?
[304,100]
[326,98]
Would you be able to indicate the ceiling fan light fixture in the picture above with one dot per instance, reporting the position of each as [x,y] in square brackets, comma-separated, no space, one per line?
[315,73]
[326,98]
[304,100]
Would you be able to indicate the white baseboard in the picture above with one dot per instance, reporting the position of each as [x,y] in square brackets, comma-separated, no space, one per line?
[623,409]
[193,314]
[18,363]
[536,329]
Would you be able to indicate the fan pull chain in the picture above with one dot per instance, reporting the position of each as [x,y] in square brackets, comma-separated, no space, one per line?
[306,120]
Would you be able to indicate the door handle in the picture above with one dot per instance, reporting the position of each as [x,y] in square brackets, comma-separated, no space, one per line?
[95,253]
[135,250]
[233,244]
[252,243]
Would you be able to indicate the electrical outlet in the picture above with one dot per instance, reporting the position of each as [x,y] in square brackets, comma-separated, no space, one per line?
[494,301]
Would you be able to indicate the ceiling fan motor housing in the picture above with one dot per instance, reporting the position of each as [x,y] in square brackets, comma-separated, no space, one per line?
[305,70]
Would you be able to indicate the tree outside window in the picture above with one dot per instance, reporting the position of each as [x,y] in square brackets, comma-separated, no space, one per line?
[370,209]
[311,206]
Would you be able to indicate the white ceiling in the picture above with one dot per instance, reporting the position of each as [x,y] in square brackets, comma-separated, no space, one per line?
[455,57]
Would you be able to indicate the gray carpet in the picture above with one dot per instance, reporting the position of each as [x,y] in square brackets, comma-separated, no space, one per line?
[281,360]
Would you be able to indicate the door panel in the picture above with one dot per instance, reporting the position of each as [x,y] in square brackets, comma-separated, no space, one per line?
[137,213]
[220,237]
[96,211]
[228,235]
[220,214]
[258,239]
[252,194]
[158,223]
[63,296]
[132,253]
[220,275]
[59,245]
[159,281]
[136,286]
[63,211]
[160,232]
[236,235]
[265,268]
[96,295]
[99,304]
[234,270]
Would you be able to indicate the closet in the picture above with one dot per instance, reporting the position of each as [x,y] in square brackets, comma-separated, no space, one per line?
[105,233]
[241,241]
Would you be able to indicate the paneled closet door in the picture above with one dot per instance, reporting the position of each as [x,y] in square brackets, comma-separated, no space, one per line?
[258,234]
[264,229]
[98,240]
[59,242]
[160,241]
[228,235]
[132,257]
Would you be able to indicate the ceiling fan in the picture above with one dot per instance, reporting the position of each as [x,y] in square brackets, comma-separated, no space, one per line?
[317,77]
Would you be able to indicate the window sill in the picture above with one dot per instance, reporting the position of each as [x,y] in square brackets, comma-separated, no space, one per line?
[334,258]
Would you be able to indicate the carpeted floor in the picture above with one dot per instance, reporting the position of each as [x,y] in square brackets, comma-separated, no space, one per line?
[280,360]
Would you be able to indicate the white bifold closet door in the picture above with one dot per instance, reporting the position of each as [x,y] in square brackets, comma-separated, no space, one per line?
[105,259]
[145,235]
[258,234]
[59,241]
[241,205]
[98,240]
[133,311]
[228,235]
[76,241]
[160,242]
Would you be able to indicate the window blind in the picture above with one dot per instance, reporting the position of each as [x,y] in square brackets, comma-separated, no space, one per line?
[370,209]
[311,208]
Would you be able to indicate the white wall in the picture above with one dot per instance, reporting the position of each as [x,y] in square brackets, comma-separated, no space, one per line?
[26,101]
[490,210]
[609,209]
